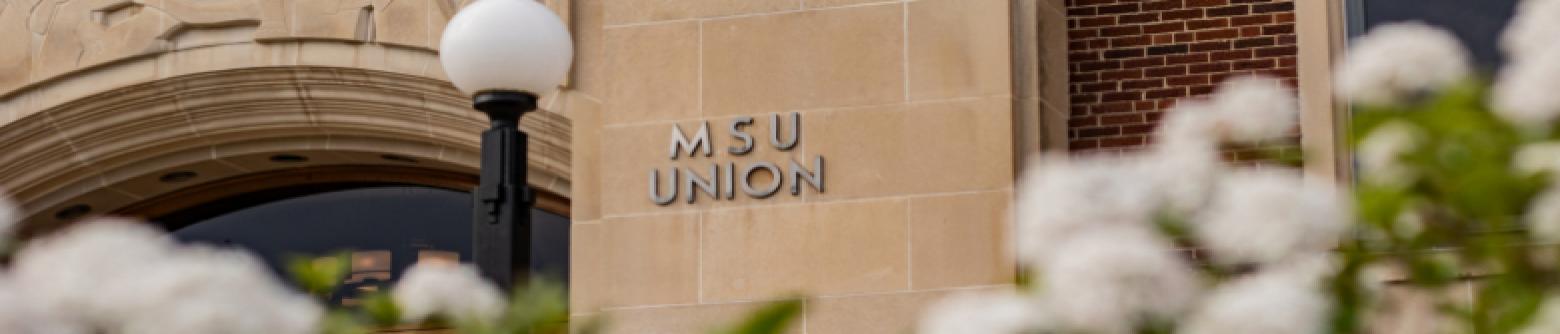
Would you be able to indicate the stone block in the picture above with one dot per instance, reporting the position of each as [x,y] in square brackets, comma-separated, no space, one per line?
[959,48]
[682,319]
[639,11]
[652,73]
[804,60]
[921,148]
[871,314]
[818,250]
[585,145]
[635,261]
[961,240]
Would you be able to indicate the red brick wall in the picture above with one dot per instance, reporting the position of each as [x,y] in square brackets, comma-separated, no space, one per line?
[1131,59]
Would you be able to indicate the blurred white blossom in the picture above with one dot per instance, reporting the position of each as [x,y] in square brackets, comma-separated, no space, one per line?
[1059,196]
[1272,302]
[1266,216]
[1381,153]
[127,277]
[1190,122]
[454,291]
[1254,108]
[1538,158]
[1532,29]
[1543,216]
[1112,277]
[206,290]
[1524,92]
[1183,174]
[78,272]
[1396,61]
[21,316]
[1547,320]
[1001,312]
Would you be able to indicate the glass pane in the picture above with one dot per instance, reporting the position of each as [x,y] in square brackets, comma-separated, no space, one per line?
[1477,23]
[386,228]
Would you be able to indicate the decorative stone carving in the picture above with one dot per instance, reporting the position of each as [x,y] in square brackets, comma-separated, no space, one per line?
[48,38]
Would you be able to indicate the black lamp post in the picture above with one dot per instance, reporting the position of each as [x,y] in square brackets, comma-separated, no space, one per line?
[504,53]
[501,224]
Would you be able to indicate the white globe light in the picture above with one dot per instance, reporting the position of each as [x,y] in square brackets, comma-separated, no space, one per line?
[506,45]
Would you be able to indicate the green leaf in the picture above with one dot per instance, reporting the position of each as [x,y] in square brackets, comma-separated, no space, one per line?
[772,319]
[380,308]
[320,276]
[342,322]
[540,306]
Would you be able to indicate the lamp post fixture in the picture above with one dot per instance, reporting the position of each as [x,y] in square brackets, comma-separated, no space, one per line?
[505,54]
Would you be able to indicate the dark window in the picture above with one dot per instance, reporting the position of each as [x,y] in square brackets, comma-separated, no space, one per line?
[1478,23]
[387,228]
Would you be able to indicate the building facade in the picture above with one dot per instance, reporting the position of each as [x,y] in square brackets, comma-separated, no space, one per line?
[704,156]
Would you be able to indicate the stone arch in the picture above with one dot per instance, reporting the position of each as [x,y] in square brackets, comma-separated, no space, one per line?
[108,150]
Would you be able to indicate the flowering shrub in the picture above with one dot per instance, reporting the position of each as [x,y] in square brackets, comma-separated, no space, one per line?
[1457,183]
[120,276]
[1107,239]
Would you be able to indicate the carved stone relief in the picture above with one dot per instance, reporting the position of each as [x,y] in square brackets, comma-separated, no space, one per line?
[47,38]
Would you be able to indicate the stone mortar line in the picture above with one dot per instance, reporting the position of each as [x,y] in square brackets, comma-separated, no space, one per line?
[904,42]
[810,111]
[700,267]
[745,15]
[817,297]
[796,204]
[909,245]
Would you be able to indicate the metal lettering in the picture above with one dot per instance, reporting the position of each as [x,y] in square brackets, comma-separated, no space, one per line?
[774,131]
[769,190]
[736,131]
[700,140]
[814,178]
[726,186]
[691,180]
[655,187]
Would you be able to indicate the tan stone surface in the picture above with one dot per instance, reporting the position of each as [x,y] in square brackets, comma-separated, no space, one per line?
[586,148]
[682,319]
[644,260]
[821,249]
[950,146]
[652,72]
[959,48]
[406,22]
[589,47]
[1054,99]
[803,60]
[15,58]
[869,314]
[638,11]
[961,240]
[837,3]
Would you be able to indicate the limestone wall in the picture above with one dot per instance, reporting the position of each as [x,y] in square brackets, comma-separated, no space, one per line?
[911,104]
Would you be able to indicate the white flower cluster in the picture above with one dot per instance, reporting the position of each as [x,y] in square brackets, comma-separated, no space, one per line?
[1395,62]
[1377,72]
[455,291]
[1086,226]
[1524,95]
[120,276]
[1524,90]
[126,277]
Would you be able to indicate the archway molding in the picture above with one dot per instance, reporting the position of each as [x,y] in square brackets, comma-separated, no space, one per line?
[109,150]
